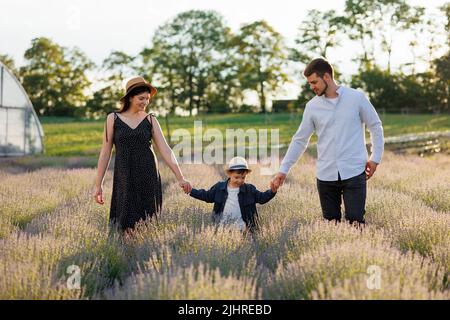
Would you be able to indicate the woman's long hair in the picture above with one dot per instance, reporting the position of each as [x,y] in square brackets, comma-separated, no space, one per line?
[125,101]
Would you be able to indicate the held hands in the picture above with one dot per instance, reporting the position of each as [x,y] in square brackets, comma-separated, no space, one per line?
[98,191]
[98,195]
[277,181]
[185,185]
[371,167]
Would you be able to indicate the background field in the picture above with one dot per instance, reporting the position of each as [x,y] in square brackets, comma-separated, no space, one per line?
[72,137]
[49,221]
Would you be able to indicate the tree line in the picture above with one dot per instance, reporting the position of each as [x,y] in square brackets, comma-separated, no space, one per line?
[198,63]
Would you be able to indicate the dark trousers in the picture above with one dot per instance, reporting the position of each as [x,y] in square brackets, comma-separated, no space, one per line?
[352,190]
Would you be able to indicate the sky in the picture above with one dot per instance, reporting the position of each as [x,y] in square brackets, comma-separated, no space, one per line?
[99,26]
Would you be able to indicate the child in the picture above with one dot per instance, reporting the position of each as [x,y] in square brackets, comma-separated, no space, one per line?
[234,200]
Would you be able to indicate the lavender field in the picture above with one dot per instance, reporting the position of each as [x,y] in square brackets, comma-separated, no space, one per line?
[52,230]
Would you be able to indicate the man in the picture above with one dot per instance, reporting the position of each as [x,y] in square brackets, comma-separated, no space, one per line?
[337,114]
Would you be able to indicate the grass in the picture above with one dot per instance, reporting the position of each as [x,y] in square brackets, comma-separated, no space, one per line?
[71,137]
[50,222]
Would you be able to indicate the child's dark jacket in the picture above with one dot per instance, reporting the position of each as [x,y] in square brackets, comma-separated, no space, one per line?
[248,196]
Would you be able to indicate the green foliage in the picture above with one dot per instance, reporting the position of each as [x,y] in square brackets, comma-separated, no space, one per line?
[262,57]
[198,64]
[9,63]
[442,83]
[318,32]
[402,93]
[186,60]
[55,78]
[367,20]
[118,65]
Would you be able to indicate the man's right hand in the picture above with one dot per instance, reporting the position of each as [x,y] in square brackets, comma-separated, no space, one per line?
[277,181]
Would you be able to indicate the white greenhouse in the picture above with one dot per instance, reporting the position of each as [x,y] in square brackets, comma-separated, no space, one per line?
[20,130]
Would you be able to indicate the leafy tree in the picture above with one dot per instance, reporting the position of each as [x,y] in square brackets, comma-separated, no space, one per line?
[317,34]
[367,20]
[360,27]
[442,64]
[416,29]
[395,92]
[9,63]
[446,10]
[262,58]
[225,92]
[161,65]
[117,66]
[442,83]
[382,88]
[55,78]
[393,16]
[184,54]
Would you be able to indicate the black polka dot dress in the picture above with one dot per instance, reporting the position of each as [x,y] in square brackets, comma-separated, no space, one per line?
[137,193]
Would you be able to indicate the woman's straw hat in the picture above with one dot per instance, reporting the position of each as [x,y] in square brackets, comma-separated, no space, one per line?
[138,82]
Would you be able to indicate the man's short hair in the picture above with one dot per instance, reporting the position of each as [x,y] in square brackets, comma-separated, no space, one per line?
[319,66]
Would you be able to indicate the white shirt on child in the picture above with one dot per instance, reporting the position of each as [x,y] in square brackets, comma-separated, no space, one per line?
[232,212]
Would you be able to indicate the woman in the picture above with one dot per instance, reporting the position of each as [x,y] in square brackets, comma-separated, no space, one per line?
[136,193]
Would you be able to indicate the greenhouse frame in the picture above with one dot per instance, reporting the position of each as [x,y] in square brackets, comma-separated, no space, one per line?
[20,130]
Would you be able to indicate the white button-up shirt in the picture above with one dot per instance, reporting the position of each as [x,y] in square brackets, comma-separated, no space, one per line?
[340,129]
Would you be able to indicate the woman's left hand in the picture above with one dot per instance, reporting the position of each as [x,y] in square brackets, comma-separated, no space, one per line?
[186,185]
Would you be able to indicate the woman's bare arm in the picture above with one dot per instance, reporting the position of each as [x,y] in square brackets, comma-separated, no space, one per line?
[167,154]
[104,158]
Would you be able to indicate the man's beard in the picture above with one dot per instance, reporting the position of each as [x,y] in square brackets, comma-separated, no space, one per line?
[323,91]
